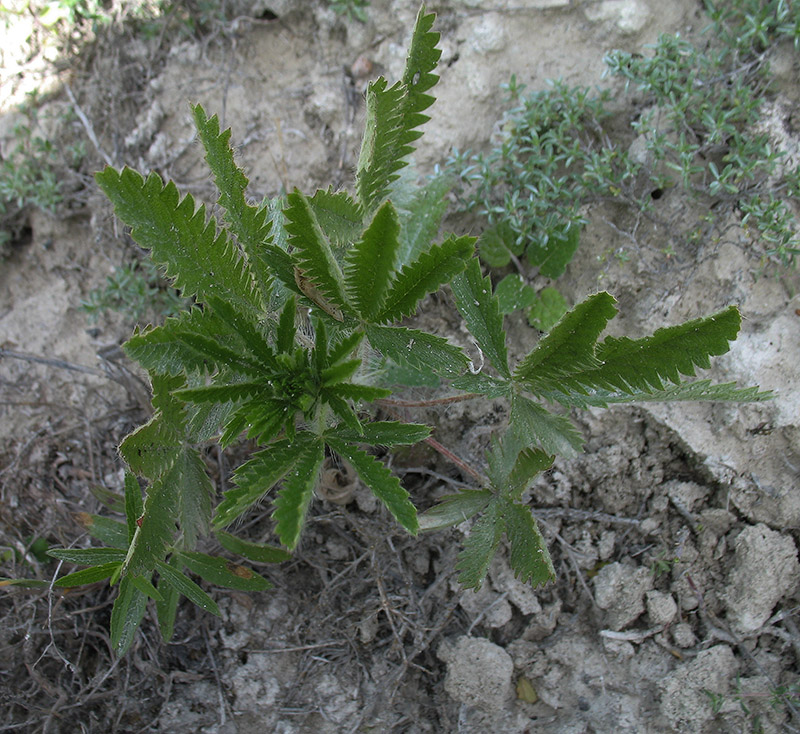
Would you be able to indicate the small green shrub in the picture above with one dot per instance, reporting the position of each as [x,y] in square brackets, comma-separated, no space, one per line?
[294,331]
[554,153]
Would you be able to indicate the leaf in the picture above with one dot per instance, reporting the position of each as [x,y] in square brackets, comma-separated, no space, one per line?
[293,500]
[536,426]
[200,261]
[453,509]
[192,491]
[370,263]
[312,252]
[548,308]
[338,216]
[554,253]
[496,245]
[221,393]
[384,433]
[432,269]
[249,223]
[569,347]
[513,293]
[645,364]
[126,615]
[284,338]
[529,464]
[222,572]
[144,585]
[88,575]
[351,391]
[491,387]
[384,485]
[481,311]
[108,531]
[421,217]
[134,505]
[529,558]
[167,606]
[157,525]
[88,556]
[183,584]
[256,552]
[256,477]
[393,115]
[480,546]
[418,349]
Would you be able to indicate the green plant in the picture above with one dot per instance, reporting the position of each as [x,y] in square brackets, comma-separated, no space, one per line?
[292,338]
[136,290]
[554,154]
[354,9]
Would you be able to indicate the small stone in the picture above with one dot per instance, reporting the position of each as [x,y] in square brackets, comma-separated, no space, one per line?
[683,636]
[661,607]
[620,590]
[479,673]
[765,570]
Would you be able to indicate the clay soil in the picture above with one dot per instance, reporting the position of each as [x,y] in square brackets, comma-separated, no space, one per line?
[673,536]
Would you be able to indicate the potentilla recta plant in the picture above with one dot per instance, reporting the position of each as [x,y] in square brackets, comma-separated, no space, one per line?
[296,318]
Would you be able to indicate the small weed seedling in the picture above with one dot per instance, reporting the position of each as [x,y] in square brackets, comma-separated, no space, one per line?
[295,322]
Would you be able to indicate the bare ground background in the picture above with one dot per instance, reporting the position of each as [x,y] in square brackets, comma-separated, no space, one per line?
[674,536]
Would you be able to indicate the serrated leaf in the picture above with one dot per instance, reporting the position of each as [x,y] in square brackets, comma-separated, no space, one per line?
[88,575]
[480,546]
[126,615]
[645,364]
[547,310]
[167,607]
[88,556]
[192,492]
[200,260]
[427,274]
[345,413]
[255,478]
[256,552]
[312,252]
[475,302]
[529,464]
[340,372]
[294,498]
[370,263]
[152,448]
[569,347]
[343,347]
[144,585]
[421,217]
[157,525]
[284,337]
[134,505]
[338,215]
[248,330]
[184,585]
[535,426]
[394,113]
[418,349]
[220,393]
[222,572]
[453,509]
[383,484]
[249,223]
[529,558]
[491,387]
[513,293]
[384,433]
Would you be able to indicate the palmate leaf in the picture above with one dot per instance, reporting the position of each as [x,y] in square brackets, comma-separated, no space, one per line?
[257,476]
[418,349]
[569,347]
[202,262]
[384,485]
[394,113]
[249,223]
[421,217]
[438,265]
[312,252]
[294,498]
[529,558]
[338,215]
[535,426]
[480,309]
[370,263]
[126,615]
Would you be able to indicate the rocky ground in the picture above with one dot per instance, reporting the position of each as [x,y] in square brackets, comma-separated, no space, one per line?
[674,535]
